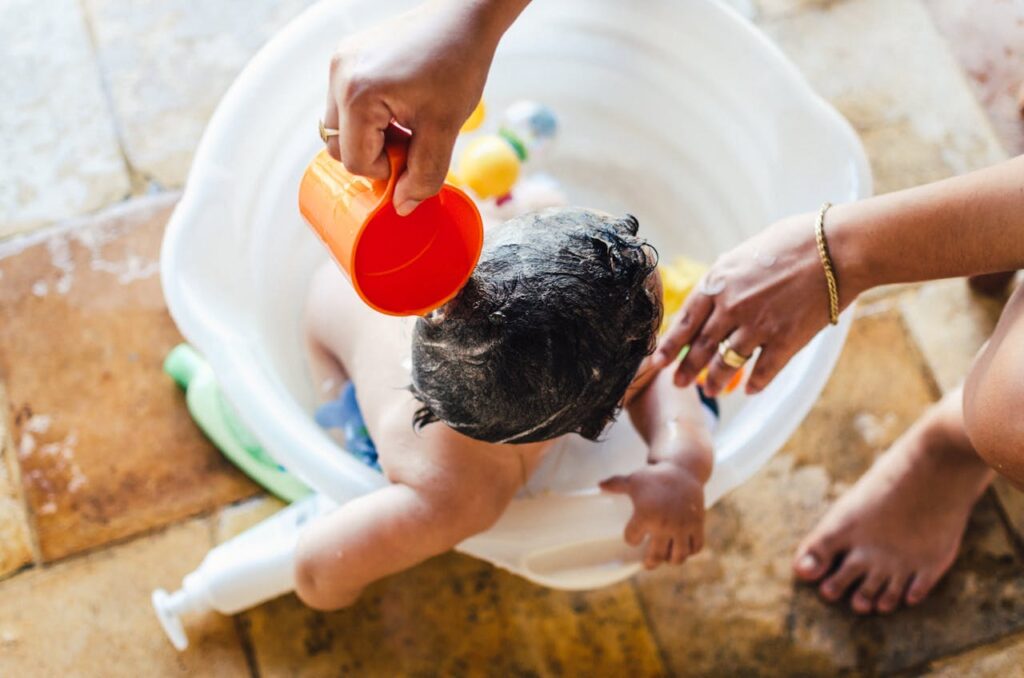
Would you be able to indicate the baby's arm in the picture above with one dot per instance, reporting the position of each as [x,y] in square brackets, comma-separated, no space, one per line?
[667,494]
[393,529]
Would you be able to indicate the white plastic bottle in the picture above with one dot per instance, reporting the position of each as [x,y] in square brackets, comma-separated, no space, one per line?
[243,572]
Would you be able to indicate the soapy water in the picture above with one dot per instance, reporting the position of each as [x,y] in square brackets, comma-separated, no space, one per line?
[765,259]
[39,423]
[874,430]
[56,471]
[131,268]
[710,287]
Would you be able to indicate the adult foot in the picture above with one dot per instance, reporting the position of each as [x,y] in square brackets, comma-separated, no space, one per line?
[894,534]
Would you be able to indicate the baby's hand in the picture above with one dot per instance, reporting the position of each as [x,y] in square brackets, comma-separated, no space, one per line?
[668,510]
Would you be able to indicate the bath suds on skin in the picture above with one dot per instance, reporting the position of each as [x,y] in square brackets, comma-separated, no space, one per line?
[765,259]
[710,287]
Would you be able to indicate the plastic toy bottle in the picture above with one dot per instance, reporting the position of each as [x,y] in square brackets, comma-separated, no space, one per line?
[254,567]
[218,421]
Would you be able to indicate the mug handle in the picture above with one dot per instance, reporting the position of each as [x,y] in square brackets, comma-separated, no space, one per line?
[396,145]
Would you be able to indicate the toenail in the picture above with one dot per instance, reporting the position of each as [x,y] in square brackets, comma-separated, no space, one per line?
[807,562]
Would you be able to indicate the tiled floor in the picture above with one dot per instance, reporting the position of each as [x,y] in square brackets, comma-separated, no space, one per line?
[105,445]
[988,39]
[107,490]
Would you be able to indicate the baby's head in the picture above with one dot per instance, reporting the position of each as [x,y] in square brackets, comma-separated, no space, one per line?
[547,334]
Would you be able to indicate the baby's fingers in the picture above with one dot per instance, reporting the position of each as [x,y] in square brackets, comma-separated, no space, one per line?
[615,484]
[658,551]
[634,532]
[682,548]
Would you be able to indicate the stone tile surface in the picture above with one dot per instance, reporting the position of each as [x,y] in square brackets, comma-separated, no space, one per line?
[1011,499]
[452,615]
[235,519]
[105,444]
[988,40]
[59,149]
[916,128]
[91,616]
[15,547]
[949,323]
[455,615]
[1000,660]
[879,387]
[735,610]
[165,86]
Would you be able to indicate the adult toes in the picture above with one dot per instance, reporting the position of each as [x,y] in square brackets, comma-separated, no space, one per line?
[852,569]
[921,585]
[815,555]
[890,598]
[863,600]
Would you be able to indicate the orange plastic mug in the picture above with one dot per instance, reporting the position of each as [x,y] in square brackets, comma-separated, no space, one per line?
[397,265]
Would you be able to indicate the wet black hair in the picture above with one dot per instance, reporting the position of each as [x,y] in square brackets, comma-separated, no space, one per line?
[546,336]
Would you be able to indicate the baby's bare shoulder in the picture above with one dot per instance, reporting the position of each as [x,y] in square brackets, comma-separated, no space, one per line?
[438,460]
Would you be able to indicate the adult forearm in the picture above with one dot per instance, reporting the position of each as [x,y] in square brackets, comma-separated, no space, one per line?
[494,17]
[966,225]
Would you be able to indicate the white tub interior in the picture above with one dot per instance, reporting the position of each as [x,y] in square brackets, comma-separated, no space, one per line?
[676,111]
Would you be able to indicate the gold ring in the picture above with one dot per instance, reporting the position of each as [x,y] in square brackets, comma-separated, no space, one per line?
[731,357]
[326,132]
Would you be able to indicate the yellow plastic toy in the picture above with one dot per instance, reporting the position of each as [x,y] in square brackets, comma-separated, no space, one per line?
[488,166]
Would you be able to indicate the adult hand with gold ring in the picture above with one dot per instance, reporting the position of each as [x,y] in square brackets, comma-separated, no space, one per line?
[731,358]
[768,293]
[425,70]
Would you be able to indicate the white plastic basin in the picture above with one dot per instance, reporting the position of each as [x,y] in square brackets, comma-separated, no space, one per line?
[677,111]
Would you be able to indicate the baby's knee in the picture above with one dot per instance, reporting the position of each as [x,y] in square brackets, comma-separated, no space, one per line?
[994,415]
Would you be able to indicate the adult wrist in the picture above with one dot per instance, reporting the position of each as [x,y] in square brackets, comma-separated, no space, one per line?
[849,245]
[492,18]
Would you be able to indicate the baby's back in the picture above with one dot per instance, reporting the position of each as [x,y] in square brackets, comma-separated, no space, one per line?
[373,352]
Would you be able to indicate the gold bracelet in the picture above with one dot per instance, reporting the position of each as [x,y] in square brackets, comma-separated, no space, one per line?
[826,263]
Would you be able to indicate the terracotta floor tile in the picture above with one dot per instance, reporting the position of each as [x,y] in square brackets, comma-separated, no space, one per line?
[91,616]
[737,605]
[988,40]
[105,444]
